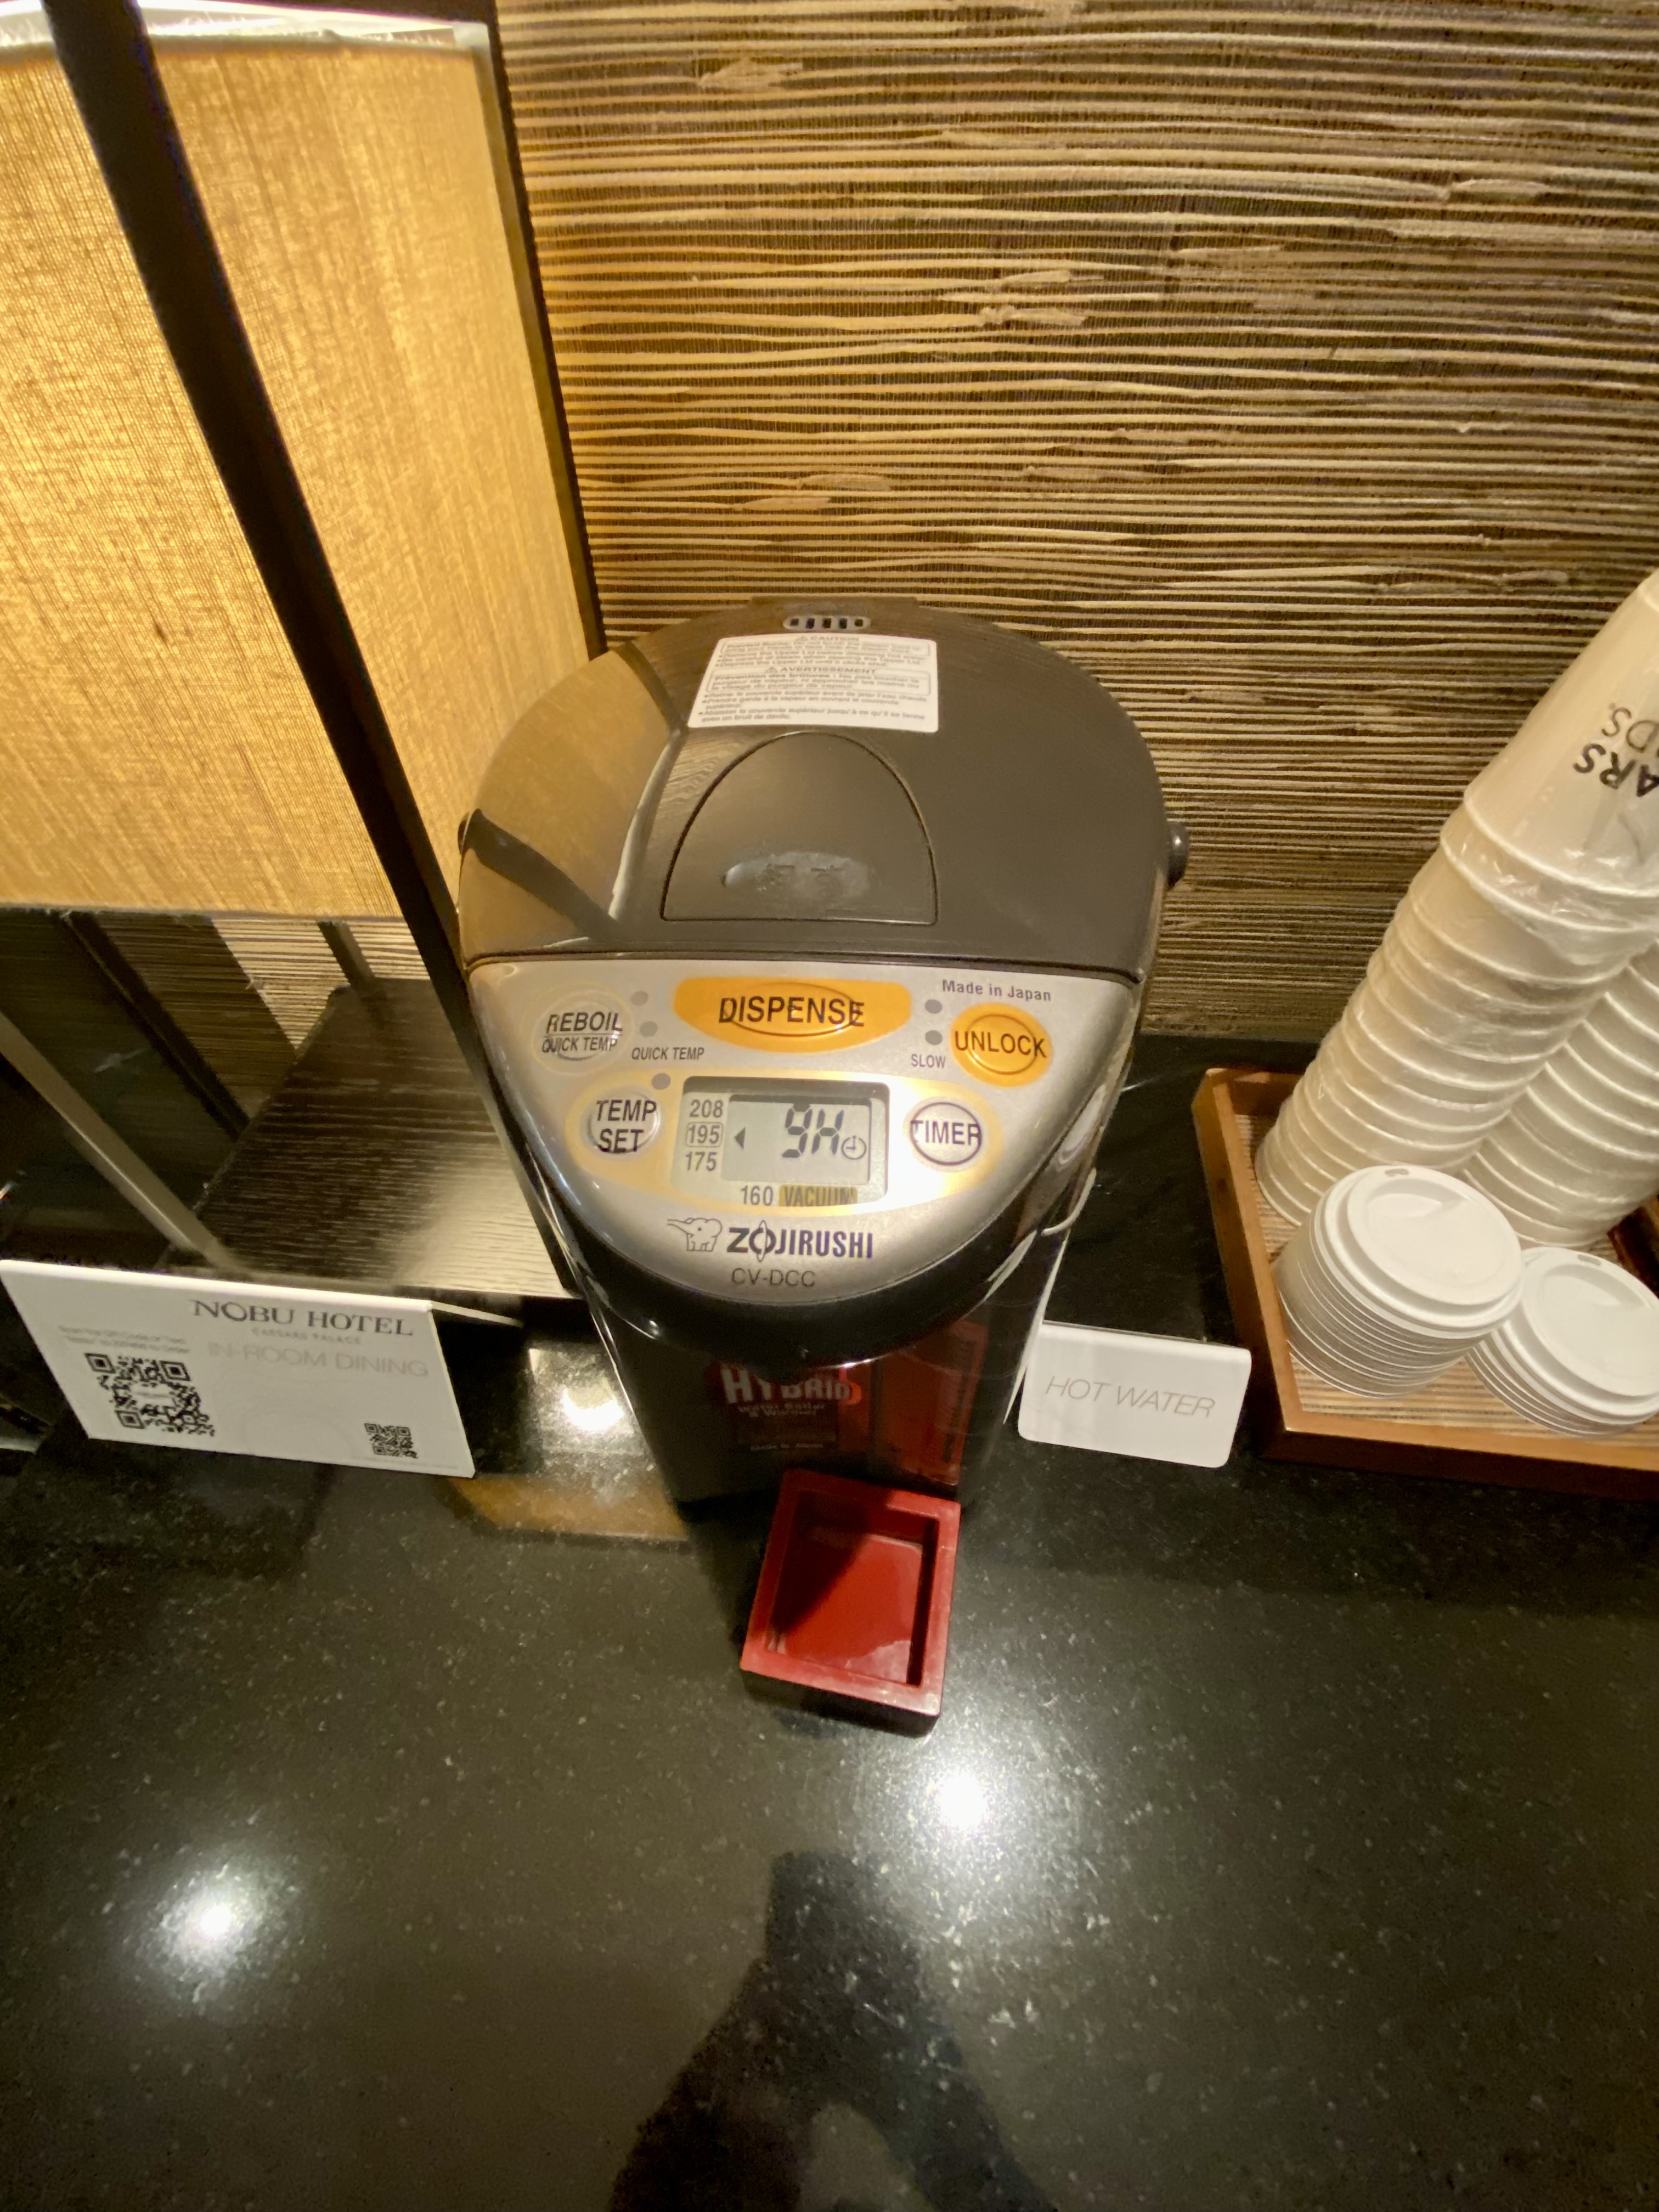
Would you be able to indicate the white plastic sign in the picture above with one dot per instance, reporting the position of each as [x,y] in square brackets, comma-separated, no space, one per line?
[350,1379]
[1148,1397]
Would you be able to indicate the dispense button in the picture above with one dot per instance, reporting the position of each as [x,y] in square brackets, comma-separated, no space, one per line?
[1001,1044]
[623,1122]
[947,1134]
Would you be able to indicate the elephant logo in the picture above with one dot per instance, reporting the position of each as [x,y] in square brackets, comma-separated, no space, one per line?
[702,1232]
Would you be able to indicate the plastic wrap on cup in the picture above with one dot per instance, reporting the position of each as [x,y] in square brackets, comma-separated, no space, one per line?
[1505,922]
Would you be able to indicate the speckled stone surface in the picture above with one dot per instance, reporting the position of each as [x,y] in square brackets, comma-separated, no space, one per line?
[1289,1840]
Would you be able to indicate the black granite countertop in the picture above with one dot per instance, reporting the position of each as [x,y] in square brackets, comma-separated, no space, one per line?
[1289,1839]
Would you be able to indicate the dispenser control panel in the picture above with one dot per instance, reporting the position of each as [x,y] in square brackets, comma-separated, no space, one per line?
[796,1133]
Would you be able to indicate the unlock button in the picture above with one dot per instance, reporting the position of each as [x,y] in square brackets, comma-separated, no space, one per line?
[623,1122]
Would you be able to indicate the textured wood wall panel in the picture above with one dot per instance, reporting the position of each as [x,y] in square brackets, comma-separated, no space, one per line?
[1292,368]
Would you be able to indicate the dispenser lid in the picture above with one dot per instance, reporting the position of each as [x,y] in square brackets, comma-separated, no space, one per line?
[955,792]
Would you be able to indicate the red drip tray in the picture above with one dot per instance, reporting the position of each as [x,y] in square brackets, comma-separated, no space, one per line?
[854,1594]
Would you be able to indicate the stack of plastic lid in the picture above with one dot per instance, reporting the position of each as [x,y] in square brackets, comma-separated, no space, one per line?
[1581,1147]
[1546,884]
[1580,1351]
[1397,1274]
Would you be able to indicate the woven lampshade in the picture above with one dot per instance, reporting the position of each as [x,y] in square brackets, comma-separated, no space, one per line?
[158,746]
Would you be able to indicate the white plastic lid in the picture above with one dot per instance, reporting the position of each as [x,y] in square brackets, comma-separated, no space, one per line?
[1600,1323]
[1431,1237]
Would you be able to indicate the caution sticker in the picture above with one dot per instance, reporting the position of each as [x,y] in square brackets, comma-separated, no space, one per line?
[857,681]
[1001,1044]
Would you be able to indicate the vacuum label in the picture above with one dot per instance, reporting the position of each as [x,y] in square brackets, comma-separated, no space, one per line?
[790,1013]
[843,681]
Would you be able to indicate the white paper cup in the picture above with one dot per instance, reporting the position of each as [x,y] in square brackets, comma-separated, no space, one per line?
[1605,1076]
[1485,1019]
[1534,1163]
[1639,993]
[1558,893]
[1566,791]
[1426,949]
[1590,1045]
[1516,937]
[1580,1096]
[1377,1062]
[1393,1105]
[1347,1125]
[1513,1182]
[1576,1145]
[1282,1180]
[1480,1056]
[1627,1032]
[1309,1141]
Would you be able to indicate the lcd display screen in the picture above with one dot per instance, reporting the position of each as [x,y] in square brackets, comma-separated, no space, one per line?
[817,1137]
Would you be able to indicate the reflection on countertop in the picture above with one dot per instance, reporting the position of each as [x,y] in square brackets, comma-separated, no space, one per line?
[1286,1840]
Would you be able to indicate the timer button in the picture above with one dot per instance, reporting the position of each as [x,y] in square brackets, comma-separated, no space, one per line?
[947,1134]
[623,1122]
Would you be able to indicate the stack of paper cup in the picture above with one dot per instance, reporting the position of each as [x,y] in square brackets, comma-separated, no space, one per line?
[1396,1275]
[1581,1147]
[1546,883]
[1580,1351]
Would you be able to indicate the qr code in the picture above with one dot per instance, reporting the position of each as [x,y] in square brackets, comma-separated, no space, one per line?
[151,1394]
[391,1440]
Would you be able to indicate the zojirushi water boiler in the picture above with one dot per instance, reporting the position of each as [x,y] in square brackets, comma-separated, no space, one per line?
[807,939]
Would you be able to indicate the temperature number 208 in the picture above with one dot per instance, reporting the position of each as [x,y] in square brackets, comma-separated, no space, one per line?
[702,1137]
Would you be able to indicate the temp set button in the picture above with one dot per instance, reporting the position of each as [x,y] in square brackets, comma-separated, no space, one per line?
[948,1135]
[623,1122]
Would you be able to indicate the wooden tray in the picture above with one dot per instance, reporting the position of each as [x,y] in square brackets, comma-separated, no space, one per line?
[1454,1428]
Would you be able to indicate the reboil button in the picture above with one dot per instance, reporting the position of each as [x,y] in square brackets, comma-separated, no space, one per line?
[623,1122]
[948,1135]
[584,1026]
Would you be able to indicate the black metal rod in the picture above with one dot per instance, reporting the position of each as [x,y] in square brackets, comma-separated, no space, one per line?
[182,1054]
[106,56]
[353,961]
[527,271]
[109,1153]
